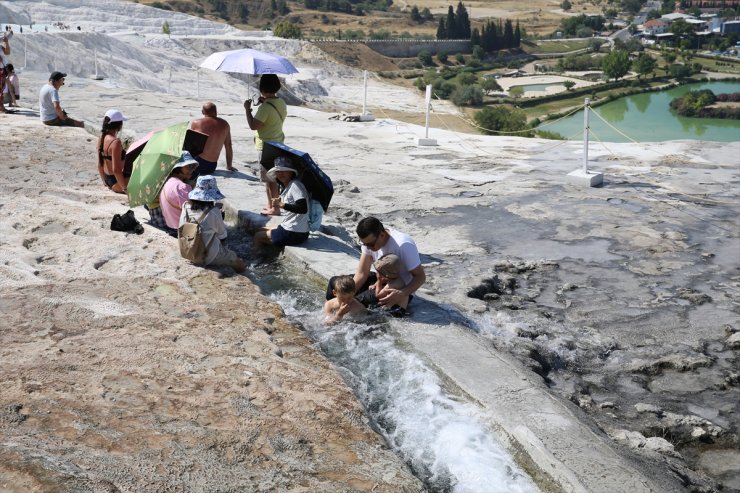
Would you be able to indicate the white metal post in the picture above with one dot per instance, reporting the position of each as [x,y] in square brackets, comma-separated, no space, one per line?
[428,104]
[169,83]
[365,116]
[364,96]
[197,82]
[583,176]
[426,141]
[585,134]
[25,52]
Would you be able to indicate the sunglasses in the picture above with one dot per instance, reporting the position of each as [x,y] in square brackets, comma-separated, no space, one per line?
[371,244]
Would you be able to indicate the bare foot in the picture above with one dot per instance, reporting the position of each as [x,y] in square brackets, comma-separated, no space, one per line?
[270,212]
[239,265]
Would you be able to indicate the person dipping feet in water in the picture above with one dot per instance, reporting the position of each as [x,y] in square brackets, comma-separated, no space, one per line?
[377,241]
[294,199]
[202,208]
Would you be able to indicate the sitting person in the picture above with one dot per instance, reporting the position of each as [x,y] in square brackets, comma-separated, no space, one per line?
[377,242]
[175,191]
[344,302]
[201,208]
[4,62]
[294,199]
[12,89]
[50,107]
[111,154]
[388,270]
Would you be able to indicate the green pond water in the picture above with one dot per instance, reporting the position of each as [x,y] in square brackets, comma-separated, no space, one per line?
[648,118]
[538,87]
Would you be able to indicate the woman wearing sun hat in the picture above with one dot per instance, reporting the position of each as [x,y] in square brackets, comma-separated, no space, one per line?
[294,199]
[110,152]
[176,189]
[201,208]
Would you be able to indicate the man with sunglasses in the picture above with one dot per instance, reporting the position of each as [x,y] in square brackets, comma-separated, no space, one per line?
[378,241]
[50,108]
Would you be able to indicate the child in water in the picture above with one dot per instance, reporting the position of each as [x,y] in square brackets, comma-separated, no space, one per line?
[344,302]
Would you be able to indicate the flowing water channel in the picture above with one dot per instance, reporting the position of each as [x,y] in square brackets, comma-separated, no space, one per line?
[647,117]
[442,437]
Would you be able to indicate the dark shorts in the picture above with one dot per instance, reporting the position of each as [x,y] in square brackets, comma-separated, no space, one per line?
[282,237]
[110,180]
[204,167]
[58,122]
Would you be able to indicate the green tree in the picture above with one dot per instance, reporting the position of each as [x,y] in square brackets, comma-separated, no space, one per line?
[489,85]
[466,78]
[494,119]
[644,64]
[166,28]
[516,92]
[467,96]
[425,58]
[595,44]
[441,29]
[415,15]
[569,84]
[632,7]
[678,71]
[566,5]
[460,58]
[680,27]
[462,21]
[452,30]
[442,57]
[616,64]
[478,52]
[287,30]
[426,14]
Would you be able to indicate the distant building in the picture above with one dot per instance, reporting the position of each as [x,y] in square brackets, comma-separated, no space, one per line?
[655,26]
[672,17]
[730,27]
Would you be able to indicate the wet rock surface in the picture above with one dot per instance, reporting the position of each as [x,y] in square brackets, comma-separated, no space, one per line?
[630,303]
[619,296]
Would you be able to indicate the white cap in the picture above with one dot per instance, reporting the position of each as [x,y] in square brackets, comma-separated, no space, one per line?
[115,116]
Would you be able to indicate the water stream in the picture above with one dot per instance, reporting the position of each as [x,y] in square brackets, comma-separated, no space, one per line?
[443,438]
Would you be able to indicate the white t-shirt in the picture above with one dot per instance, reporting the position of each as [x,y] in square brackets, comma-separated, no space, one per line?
[47,97]
[212,227]
[402,245]
[298,223]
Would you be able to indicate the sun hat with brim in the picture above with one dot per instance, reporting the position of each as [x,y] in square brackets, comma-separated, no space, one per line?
[388,266]
[115,116]
[281,163]
[186,159]
[55,76]
[206,190]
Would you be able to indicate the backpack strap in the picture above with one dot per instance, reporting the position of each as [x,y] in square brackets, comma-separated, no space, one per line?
[282,119]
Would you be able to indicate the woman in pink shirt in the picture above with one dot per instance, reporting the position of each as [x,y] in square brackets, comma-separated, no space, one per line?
[176,189]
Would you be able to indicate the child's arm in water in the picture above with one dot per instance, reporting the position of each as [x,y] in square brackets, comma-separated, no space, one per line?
[334,310]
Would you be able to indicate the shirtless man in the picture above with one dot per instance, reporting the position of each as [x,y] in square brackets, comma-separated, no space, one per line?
[219,136]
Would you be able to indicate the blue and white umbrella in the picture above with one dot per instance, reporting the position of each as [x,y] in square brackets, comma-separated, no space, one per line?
[248,61]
